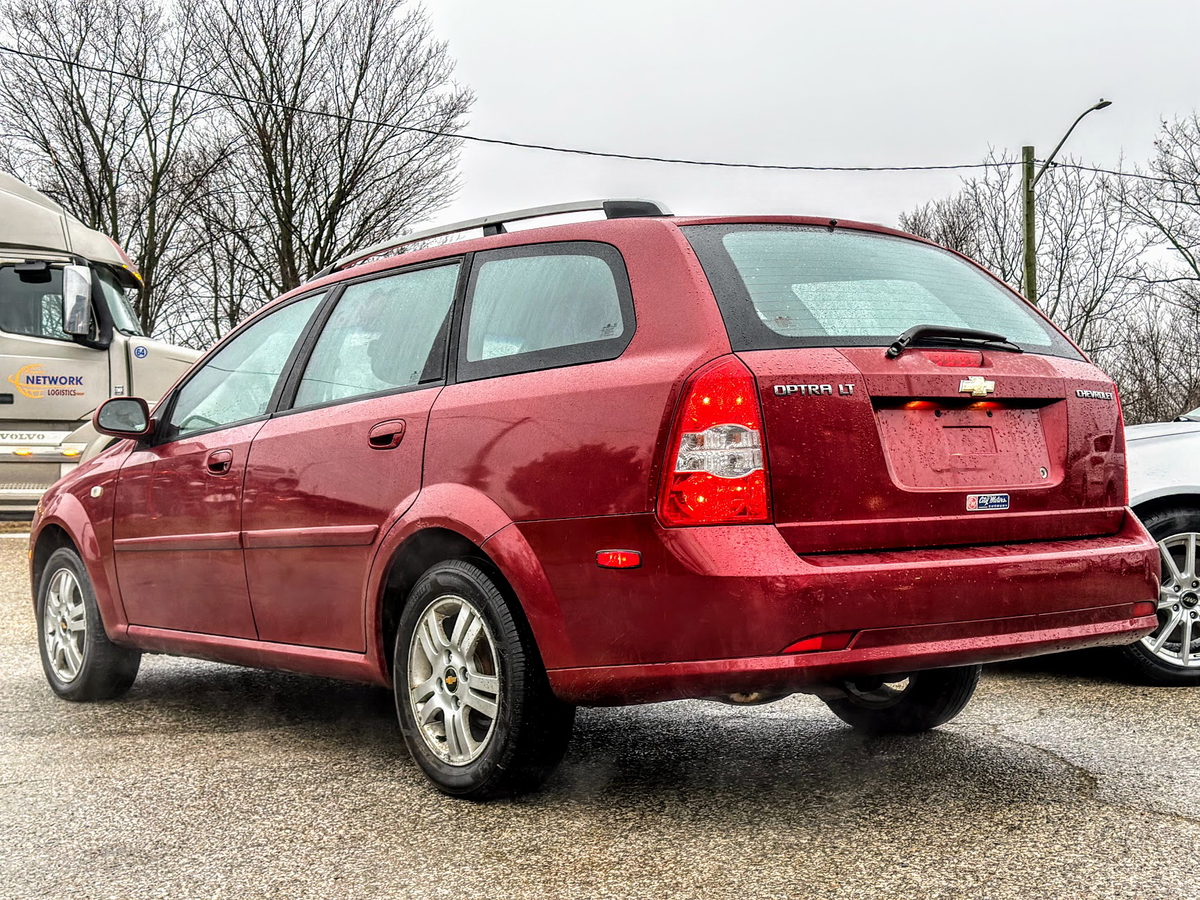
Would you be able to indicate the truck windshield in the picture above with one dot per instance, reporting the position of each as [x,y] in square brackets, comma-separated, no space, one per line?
[124,318]
[31,303]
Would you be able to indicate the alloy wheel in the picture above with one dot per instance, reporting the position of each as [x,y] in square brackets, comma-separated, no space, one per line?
[1176,640]
[454,680]
[64,625]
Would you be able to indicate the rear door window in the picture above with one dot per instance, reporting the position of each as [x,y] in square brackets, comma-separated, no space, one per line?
[795,286]
[543,306]
[384,335]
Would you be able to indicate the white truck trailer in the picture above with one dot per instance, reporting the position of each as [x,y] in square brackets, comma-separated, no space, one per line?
[69,340]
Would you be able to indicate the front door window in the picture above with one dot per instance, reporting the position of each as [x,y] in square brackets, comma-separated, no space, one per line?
[237,383]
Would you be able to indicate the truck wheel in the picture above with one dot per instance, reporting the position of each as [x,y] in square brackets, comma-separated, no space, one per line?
[1170,655]
[474,703]
[922,701]
[79,660]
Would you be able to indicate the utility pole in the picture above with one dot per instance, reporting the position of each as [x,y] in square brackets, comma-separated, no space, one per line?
[1030,229]
[1028,181]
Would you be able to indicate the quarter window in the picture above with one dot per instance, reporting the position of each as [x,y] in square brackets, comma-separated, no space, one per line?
[236,384]
[547,305]
[385,334]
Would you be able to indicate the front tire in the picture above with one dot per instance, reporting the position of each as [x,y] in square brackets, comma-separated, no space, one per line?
[1170,655]
[474,704]
[920,702]
[80,662]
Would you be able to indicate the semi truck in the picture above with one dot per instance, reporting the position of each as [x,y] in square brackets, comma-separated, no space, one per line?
[69,340]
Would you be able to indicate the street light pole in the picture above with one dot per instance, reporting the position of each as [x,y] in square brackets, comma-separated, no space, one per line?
[1028,181]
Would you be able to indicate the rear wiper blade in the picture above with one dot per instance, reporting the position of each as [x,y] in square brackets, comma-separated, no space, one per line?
[948,334]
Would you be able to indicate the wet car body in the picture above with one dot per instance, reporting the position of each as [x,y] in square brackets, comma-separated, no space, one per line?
[871,553]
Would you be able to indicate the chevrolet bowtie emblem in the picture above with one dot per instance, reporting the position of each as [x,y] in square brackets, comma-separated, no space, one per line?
[976,386]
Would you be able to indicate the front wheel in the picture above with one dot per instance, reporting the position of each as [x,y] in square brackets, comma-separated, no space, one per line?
[907,704]
[79,660]
[474,703]
[1170,655]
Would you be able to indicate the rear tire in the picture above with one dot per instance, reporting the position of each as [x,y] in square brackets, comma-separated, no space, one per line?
[1159,658]
[922,701]
[79,660]
[475,707]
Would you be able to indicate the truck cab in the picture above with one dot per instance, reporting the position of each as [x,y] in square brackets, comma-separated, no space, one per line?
[69,340]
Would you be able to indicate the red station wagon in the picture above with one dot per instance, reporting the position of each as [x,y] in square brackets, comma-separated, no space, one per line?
[611,462]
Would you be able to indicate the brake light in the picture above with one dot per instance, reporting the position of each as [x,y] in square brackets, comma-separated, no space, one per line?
[715,471]
[955,359]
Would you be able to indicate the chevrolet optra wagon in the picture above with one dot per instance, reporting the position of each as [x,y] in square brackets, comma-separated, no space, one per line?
[610,462]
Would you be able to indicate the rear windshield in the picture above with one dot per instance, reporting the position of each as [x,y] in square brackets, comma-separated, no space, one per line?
[783,286]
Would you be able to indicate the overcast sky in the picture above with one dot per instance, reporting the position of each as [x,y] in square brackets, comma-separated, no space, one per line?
[826,83]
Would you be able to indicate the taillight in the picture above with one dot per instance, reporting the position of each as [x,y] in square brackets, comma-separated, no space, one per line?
[715,471]
[1121,449]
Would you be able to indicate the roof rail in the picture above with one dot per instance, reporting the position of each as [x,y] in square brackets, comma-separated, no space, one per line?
[494,224]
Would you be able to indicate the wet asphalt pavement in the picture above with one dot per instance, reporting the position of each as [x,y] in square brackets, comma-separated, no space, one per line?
[1059,780]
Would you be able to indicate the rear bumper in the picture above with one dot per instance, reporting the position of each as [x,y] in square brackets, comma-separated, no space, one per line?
[711,609]
[873,652]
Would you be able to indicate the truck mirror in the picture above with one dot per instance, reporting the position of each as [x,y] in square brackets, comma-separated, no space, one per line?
[77,300]
[124,417]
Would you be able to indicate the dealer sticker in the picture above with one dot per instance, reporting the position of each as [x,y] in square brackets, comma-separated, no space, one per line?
[986,502]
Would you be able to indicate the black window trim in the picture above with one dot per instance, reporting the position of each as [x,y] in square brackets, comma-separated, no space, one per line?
[283,402]
[747,332]
[167,407]
[465,370]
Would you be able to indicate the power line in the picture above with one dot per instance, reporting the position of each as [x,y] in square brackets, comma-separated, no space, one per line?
[223,95]
[550,148]
[1137,176]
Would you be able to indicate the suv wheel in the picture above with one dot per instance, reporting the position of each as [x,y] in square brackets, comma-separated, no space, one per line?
[1170,654]
[474,704]
[79,660]
[918,702]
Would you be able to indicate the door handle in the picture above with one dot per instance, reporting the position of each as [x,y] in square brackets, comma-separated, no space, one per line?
[386,435]
[220,462]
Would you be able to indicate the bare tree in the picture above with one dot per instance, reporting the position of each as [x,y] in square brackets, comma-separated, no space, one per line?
[1089,253]
[1167,204]
[345,113]
[129,154]
[1157,362]
[317,127]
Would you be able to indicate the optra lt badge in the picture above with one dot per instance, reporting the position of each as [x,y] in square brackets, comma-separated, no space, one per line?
[986,502]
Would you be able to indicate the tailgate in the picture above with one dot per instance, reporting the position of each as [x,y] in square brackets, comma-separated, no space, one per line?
[937,448]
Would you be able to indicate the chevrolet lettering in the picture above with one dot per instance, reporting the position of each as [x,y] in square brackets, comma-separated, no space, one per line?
[1095,395]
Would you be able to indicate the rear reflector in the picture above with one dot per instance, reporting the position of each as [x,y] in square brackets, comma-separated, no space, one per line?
[716,459]
[618,559]
[1143,608]
[835,640]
